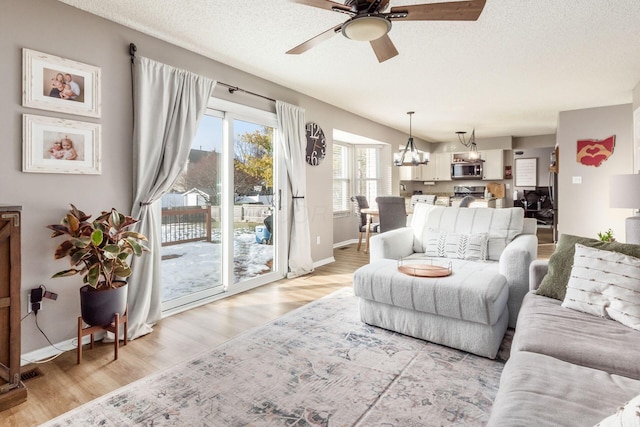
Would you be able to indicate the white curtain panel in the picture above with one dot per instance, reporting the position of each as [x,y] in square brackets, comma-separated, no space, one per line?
[291,122]
[168,103]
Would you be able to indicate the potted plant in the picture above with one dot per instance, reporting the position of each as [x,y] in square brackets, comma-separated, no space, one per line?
[99,250]
[607,236]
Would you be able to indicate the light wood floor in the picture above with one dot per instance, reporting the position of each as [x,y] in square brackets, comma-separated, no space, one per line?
[66,385]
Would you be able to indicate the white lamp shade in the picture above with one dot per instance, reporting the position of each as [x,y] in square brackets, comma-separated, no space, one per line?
[624,191]
[366,28]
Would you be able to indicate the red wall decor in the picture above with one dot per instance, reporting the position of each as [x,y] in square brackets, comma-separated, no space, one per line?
[592,152]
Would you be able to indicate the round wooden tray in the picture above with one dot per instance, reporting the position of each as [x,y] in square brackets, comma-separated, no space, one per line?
[424,270]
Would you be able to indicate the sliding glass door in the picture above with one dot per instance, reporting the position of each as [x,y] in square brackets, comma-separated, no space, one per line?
[223,222]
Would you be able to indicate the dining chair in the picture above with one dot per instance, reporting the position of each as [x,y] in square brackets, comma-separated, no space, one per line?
[422,198]
[392,212]
[360,202]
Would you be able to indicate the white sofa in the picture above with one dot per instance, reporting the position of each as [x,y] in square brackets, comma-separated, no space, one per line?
[512,242]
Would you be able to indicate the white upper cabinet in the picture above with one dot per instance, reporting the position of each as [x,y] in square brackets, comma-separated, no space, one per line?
[438,168]
[412,173]
[493,167]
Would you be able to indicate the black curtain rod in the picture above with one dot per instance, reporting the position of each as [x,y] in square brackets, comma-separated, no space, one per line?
[232,89]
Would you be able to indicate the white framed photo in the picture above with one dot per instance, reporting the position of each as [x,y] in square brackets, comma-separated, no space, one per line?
[57,84]
[51,145]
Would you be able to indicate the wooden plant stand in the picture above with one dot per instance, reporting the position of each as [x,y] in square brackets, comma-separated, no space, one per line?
[113,328]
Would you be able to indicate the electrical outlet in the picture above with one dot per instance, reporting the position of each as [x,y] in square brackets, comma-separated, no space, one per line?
[30,305]
[34,299]
[317,240]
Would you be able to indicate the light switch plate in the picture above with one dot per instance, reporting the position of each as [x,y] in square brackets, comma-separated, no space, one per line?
[577,180]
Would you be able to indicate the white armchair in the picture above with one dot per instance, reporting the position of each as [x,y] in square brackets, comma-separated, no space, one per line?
[511,242]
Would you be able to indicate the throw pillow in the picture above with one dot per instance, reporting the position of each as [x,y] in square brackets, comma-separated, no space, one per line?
[454,245]
[554,283]
[606,284]
[627,415]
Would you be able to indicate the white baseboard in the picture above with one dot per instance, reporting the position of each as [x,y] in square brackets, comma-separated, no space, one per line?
[324,262]
[345,243]
[42,354]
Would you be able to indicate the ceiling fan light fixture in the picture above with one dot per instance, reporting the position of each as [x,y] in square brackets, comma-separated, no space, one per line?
[366,28]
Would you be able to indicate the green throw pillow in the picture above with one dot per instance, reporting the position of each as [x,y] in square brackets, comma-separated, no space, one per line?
[554,283]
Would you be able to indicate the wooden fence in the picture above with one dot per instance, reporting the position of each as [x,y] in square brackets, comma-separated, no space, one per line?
[193,223]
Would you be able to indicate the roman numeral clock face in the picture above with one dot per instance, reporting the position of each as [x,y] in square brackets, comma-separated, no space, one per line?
[316,144]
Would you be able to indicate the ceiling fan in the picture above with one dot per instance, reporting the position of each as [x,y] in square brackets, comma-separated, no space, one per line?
[369,22]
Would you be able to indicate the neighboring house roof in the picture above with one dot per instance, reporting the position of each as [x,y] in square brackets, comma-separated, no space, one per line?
[196,191]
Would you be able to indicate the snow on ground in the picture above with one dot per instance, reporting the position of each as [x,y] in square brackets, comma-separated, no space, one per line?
[197,266]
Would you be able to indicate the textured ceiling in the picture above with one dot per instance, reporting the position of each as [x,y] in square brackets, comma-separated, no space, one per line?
[509,73]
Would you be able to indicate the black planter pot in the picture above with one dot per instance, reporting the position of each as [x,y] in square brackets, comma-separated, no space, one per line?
[98,307]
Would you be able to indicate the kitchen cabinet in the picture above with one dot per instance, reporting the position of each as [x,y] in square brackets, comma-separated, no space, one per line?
[493,167]
[412,173]
[439,168]
[443,167]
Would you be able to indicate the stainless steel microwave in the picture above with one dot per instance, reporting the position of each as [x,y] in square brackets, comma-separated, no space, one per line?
[466,170]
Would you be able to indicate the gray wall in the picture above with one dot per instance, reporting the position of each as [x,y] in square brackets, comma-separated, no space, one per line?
[36,24]
[539,141]
[636,126]
[584,208]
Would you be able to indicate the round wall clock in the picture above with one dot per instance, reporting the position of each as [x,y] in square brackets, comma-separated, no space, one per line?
[316,144]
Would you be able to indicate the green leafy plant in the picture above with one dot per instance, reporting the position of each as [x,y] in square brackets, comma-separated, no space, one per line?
[607,236]
[98,250]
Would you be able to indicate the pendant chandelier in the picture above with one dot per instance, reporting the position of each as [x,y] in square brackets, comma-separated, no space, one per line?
[470,144]
[410,156]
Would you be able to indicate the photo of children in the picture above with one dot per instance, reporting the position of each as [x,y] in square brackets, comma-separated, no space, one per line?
[59,146]
[58,84]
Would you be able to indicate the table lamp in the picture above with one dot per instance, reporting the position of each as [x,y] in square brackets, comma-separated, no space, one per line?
[624,192]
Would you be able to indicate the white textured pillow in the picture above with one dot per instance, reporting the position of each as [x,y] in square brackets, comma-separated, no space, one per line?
[502,225]
[627,415]
[454,245]
[606,284]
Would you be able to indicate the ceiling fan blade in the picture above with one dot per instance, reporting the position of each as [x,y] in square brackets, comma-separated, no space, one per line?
[453,11]
[314,41]
[383,48]
[325,4]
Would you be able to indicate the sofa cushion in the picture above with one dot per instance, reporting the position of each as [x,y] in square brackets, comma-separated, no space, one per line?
[454,245]
[502,225]
[546,327]
[554,283]
[605,284]
[539,390]
[475,292]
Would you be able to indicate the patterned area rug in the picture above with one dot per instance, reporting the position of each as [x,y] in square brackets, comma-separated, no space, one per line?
[316,366]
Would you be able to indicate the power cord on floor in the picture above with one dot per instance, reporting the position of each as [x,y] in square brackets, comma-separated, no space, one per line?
[35,314]
[45,335]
